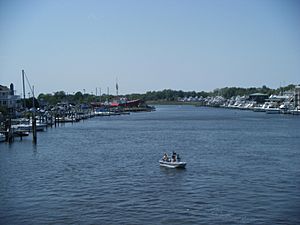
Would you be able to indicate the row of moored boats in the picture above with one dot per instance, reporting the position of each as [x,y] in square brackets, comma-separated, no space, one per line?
[269,108]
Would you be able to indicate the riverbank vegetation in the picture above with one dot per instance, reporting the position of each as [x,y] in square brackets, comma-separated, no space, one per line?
[164,96]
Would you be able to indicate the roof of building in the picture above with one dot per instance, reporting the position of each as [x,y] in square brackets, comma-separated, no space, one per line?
[4,88]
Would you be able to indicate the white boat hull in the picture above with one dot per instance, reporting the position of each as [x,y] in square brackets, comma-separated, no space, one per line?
[2,137]
[296,111]
[172,164]
[273,111]
[28,127]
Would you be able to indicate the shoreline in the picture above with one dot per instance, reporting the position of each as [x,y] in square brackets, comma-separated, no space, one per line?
[173,103]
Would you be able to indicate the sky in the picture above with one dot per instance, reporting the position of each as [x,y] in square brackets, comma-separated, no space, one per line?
[149,45]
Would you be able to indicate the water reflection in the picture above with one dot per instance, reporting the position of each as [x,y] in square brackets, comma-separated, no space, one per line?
[106,170]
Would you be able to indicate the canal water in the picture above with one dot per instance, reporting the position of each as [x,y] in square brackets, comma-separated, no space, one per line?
[242,168]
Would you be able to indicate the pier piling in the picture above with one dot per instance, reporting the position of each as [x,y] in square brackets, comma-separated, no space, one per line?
[34,130]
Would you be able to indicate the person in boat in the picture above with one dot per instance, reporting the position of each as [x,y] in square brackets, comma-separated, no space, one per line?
[165,157]
[174,157]
[178,158]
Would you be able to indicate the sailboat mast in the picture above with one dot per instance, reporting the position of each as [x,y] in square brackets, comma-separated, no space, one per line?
[117,87]
[23,80]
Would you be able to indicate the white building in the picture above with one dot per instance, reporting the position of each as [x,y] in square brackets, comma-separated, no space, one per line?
[8,99]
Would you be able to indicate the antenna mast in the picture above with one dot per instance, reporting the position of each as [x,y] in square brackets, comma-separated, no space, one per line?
[117,87]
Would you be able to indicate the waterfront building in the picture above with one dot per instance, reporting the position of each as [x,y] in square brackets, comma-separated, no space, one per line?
[259,98]
[8,99]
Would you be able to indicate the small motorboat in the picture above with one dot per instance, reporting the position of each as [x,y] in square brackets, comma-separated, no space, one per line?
[173,162]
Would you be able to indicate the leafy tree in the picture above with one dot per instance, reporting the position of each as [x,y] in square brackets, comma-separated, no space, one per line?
[29,103]
[164,95]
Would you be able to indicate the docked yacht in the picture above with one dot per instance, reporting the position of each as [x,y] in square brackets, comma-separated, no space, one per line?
[28,127]
[261,108]
[2,137]
[101,112]
[272,110]
[296,111]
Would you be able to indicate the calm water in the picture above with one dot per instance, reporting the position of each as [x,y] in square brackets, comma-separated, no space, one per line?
[243,168]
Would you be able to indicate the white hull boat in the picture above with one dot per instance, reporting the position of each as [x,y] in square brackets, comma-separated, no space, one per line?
[295,112]
[172,164]
[2,137]
[28,127]
[273,111]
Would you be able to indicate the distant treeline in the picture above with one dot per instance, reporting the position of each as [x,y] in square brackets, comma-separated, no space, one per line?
[227,92]
[165,95]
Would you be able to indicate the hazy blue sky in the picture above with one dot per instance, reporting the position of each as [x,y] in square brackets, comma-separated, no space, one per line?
[149,44]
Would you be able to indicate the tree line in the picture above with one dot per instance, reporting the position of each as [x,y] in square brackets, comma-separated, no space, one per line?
[164,95]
